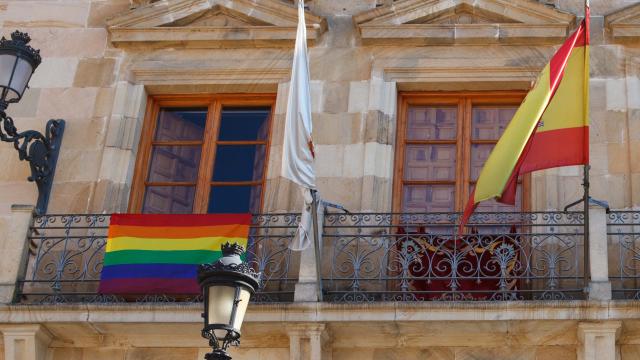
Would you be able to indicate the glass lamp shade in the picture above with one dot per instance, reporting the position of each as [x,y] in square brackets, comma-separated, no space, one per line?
[15,73]
[18,61]
[227,305]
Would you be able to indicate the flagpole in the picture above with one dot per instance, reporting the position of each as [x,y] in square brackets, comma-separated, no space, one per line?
[316,240]
[587,167]
[587,265]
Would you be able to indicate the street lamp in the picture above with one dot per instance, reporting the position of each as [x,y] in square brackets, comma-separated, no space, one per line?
[227,286]
[18,61]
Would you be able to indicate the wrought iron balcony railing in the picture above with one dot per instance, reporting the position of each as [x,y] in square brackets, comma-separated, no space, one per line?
[413,257]
[623,230]
[365,257]
[66,254]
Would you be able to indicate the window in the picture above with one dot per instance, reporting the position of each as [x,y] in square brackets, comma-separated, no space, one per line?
[442,143]
[204,154]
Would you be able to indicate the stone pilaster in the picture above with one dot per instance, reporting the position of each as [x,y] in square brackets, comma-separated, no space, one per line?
[599,286]
[305,341]
[12,248]
[598,340]
[25,341]
[120,148]
[306,288]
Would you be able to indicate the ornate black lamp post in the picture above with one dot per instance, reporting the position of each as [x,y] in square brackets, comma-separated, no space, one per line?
[227,286]
[18,61]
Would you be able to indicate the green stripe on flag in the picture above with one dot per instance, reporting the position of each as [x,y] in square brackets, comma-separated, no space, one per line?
[161,257]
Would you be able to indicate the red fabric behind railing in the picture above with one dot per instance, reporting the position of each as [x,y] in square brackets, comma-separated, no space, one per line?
[477,271]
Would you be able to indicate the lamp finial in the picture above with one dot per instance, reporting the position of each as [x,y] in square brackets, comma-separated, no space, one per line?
[230,249]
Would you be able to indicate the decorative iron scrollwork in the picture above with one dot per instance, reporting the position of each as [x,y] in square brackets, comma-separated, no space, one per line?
[67,254]
[41,151]
[623,230]
[419,256]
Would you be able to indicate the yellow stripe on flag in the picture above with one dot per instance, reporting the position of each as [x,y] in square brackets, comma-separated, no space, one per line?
[505,155]
[205,243]
[566,109]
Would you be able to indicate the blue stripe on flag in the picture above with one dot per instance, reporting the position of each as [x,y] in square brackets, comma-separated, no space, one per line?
[167,271]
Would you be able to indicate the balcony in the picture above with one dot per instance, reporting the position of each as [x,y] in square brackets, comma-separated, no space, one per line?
[623,231]
[66,252]
[366,257]
[418,257]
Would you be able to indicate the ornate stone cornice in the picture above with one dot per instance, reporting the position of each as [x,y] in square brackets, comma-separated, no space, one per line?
[435,22]
[624,25]
[178,23]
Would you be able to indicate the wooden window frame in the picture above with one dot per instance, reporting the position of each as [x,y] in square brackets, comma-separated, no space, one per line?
[204,181]
[464,101]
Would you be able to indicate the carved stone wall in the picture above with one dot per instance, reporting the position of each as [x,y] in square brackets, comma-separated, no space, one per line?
[102,58]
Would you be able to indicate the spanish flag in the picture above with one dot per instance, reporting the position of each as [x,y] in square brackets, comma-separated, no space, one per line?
[160,254]
[550,129]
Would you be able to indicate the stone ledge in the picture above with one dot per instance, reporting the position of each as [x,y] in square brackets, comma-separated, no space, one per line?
[169,76]
[328,312]
[476,34]
[210,37]
[500,74]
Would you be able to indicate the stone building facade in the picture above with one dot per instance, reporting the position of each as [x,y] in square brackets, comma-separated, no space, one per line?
[109,67]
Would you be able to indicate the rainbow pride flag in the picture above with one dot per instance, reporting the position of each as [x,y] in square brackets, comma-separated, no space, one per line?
[160,254]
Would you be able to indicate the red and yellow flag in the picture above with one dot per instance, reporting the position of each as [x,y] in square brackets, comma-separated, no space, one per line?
[550,129]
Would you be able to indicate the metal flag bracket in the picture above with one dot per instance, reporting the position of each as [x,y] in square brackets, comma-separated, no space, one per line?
[335,206]
[601,203]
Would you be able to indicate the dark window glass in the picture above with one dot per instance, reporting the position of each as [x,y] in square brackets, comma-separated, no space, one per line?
[244,124]
[234,199]
[239,163]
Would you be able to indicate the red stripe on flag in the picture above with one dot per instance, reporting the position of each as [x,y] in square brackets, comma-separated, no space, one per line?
[547,149]
[559,60]
[471,207]
[587,20]
[179,219]
[554,148]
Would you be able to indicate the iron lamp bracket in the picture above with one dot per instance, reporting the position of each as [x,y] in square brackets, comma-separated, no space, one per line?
[40,150]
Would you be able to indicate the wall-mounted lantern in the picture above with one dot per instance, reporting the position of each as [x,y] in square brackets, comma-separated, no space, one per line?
[18,61]
[227,286]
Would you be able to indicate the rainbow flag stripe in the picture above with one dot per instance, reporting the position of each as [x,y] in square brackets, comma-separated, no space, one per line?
[160,254]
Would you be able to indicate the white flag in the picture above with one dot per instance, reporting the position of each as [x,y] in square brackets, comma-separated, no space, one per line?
[298,156]
[304,234]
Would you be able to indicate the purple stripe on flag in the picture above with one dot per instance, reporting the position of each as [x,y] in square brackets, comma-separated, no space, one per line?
[149,286]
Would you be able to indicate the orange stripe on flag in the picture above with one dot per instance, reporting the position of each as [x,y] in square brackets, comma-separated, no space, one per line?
[183,232]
